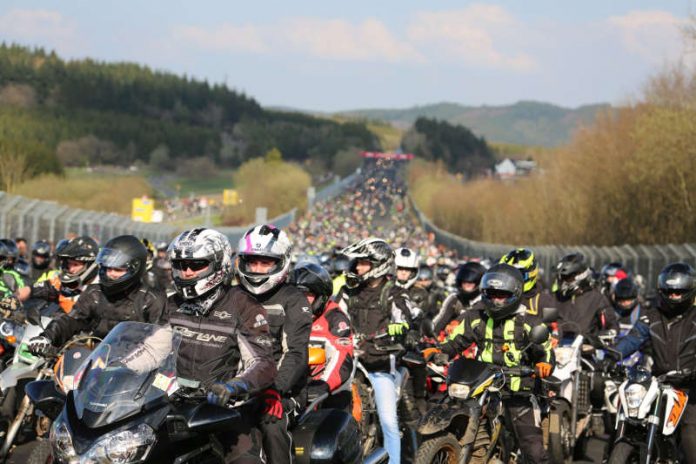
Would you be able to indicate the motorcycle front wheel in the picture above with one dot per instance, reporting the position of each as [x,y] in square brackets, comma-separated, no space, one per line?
[624,453]
[443,449]
[560,437]
[41,453]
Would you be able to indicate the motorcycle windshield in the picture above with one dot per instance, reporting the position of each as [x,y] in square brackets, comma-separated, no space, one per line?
[133,368]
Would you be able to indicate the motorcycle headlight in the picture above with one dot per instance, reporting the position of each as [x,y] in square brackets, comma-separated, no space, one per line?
[123,447]
[634,397]
[61,442]
[458,390]
[564,354]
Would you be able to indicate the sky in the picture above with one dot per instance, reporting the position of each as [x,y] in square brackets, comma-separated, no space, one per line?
[332,56]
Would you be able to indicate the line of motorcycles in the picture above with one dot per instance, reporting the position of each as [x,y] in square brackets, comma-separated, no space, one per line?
[115,402]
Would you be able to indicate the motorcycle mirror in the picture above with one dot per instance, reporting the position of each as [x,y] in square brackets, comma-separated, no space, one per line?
[427,328]
[539,335]
[549,315]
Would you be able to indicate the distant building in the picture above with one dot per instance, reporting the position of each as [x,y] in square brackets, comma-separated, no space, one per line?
[509,169]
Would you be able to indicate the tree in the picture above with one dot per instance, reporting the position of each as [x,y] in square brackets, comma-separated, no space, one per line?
[14,169]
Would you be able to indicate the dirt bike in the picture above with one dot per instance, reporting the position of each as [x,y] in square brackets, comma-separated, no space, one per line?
[650,411]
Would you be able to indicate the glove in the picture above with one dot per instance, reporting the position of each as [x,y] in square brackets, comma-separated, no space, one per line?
[10,304]
[441,359]
[273,406]
[543,369]
[40,346]
[397,329]
[316,389]
[221,393]
[412,338]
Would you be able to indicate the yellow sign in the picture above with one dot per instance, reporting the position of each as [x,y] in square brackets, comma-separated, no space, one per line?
[230,197]
[142,209]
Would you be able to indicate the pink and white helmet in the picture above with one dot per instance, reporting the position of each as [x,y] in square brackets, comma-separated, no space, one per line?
[263,241]
[196,248]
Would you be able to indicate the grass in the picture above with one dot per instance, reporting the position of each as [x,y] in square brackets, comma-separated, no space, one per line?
[212,185]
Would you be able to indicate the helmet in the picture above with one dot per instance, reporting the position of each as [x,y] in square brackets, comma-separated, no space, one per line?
[8,253]
[269,242]
[310,277]
[341,264]
[524,260]
[125,251]
[676,286]
[375,250]
[22,267]
[83,249]
[501,290]
[161,246]
[574,275]
[442,271]
[624,295]
[41,249]
[470,272]
[610,274]
[425,272]
[198,247]
[407,259]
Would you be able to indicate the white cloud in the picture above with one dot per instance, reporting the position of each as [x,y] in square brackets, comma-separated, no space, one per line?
[653,35]
[226,37]
[478,35]
[40,27]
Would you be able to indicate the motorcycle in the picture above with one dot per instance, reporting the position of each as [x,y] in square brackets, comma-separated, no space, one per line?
[470,424]
[650,411]
[130,406]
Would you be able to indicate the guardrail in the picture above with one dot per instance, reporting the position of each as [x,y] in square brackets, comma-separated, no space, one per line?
[646,260]
[47,220]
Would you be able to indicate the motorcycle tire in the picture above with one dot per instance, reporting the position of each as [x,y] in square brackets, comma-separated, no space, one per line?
[42,453]
[624,453]
[559,448]
[442,449]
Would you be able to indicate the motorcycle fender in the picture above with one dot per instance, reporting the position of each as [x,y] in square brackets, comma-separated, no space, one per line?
[554,422]
[439,418]
[674,409]
[15,372]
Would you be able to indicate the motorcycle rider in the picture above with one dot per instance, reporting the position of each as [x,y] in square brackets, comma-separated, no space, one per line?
[11,282]
[331,331]
[407,263]
[467,295]
[40,262]
[263,262]
[78,268]
[162,268]
[340,266]
[119,296]
[226,343]
[668,333]
[436,296]
[501,332]
[577,299]
[609,275]
[629,311]
[376,304]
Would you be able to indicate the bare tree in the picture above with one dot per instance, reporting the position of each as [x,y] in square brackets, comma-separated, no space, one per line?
[14,169]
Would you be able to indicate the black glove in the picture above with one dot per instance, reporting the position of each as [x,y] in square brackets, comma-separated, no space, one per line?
[9,304]
[316,389]
[221,393]
[40,346]
[412,339]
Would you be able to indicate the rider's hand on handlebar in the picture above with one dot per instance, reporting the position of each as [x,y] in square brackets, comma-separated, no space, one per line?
[397,329]
[40,346]
[221,393]
[543,369]
[9,304]
[273,409]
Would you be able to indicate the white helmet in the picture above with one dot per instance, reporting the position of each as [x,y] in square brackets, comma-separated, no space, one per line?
[266,241]
[407,259]
[375,250]
[200,245]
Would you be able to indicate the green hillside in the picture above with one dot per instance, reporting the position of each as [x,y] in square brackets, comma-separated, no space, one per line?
[524,123]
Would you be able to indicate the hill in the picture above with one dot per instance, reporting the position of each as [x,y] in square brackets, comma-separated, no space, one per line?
[524,123]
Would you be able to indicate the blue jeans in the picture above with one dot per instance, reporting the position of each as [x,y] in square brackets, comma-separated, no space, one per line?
[385,385]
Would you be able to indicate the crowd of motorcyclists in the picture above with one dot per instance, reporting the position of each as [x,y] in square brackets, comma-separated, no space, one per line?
[344,278]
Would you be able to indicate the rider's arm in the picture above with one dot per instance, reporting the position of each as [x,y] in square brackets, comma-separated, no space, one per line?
[78,319]
[339,350]
[445,314]
[44,291]
[462,337]
[636,339]
[296,329]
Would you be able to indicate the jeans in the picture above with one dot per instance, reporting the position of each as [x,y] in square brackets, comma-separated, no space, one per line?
[385,385]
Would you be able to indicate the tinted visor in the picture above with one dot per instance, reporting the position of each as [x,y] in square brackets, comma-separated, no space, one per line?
[109,257]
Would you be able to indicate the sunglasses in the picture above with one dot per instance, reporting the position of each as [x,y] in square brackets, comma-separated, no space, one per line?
[193,264]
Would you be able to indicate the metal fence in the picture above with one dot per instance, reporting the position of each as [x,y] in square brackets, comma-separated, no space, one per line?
[336,188]
[646,260]
[48,220]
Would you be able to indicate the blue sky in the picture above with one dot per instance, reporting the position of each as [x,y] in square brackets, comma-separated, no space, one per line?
[330,56]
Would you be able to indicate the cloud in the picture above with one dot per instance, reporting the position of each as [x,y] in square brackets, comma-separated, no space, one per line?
[41,27]
[653,35]
[224,38]
[479,35]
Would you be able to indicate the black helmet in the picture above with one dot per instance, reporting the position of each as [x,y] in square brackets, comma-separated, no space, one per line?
[624,295]
[377,252]
[310,277]
[83,249]
[502,281]
[22,267]
[442,271]
[126,252]
[8,253]
[574,275]
[425,272]
[341,264]
[676,286]
[470,272]
[41,249]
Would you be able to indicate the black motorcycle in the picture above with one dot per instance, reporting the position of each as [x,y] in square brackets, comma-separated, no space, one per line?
[129,406]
